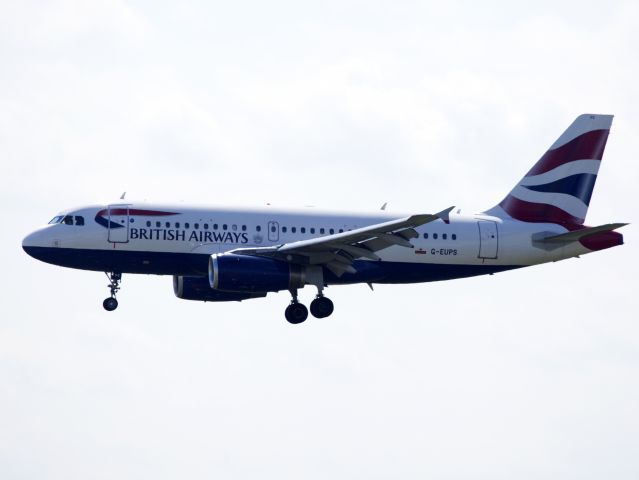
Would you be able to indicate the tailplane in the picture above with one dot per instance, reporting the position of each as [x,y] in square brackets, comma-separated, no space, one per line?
[558,188]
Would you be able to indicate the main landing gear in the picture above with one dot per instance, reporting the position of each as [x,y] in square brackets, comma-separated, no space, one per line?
[297,312]
[111,303]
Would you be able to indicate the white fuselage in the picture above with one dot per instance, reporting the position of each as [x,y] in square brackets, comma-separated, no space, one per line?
[145,231]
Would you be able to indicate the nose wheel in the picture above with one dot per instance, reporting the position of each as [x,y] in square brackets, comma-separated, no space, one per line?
[111,303]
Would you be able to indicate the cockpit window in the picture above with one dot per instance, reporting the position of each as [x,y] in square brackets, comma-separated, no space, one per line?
[68,220]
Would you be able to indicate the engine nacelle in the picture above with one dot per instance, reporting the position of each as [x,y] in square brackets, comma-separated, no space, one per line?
[243,273]
[198,288]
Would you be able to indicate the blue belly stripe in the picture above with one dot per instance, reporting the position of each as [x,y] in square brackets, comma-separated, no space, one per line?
[196,264]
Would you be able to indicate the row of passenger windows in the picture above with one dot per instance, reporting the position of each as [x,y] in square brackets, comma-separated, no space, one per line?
[68,220]
[284,229]
[196,226]
[234,227]
[322,231]
[444,236]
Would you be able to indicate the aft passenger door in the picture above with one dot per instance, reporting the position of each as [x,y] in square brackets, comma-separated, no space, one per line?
[488,239]
[118,219]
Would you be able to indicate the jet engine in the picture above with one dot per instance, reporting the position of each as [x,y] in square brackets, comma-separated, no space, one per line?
[229,272]
[198,288]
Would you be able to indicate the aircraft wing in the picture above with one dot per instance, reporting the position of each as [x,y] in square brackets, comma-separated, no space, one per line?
[338,251]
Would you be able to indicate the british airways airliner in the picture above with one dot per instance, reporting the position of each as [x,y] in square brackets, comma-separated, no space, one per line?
[232,254]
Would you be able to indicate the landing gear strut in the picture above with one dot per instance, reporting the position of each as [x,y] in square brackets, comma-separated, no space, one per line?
[111,303]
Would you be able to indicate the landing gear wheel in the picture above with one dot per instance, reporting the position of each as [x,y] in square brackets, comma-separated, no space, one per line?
[296,313]
[110,304]
[321,307]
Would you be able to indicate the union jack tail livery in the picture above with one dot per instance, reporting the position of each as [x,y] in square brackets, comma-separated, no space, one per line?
[558,188]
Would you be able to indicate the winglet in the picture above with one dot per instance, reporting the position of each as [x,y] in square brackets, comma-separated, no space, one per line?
[444,214]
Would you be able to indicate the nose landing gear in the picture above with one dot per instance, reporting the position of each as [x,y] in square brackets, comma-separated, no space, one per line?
[111,303]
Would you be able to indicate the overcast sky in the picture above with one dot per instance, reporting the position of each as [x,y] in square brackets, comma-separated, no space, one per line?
[343,104]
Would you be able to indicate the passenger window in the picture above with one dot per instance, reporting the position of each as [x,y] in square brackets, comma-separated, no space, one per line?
[196,226]
[283,229]
[454,236]
[215,226]
[148,223]
[187,225]
[244,228]
[444,236]
[68,220]
[157,224]
[258,228]
[303,229]
[322,231]
[79,220]
[331,231]
[425,236]
[341,230]
[224,226]
[234,227]
[177,224]
[312,229]
[206,226]
[167,224]
[435,236]
[293,229]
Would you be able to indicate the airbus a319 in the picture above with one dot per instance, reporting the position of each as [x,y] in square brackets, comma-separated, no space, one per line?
[230,254]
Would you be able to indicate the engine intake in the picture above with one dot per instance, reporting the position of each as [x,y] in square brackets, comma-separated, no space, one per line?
[198,288]
[243,273]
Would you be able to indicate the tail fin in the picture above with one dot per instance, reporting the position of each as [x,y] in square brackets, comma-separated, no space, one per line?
[558,188]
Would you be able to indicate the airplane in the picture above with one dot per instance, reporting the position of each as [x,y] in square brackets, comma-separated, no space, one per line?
[235,254]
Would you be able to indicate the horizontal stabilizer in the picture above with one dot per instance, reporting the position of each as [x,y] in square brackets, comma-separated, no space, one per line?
[583,233]
[593,238]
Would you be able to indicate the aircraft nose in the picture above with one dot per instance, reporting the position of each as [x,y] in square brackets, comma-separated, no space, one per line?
[28,243]
[32,241]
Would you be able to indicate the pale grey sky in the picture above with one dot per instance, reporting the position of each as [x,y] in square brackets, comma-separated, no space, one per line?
[528,374]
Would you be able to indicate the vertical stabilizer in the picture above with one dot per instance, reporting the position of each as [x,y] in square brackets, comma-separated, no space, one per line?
[559,187]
